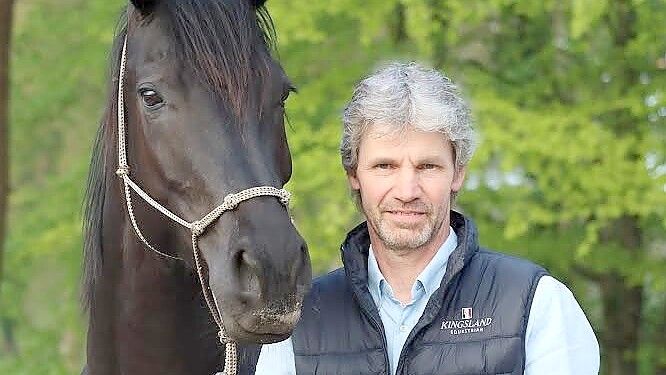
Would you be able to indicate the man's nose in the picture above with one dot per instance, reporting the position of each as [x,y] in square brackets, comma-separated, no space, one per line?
[407,186]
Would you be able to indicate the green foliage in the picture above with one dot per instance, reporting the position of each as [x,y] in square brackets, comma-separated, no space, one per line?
[571,117]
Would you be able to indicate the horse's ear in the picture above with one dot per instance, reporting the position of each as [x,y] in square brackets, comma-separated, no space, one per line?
[257,3]
[145,6]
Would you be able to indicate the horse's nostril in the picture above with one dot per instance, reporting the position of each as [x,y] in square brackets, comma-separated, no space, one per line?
[248,278]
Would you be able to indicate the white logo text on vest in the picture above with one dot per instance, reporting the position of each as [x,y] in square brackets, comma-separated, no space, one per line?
[467,324]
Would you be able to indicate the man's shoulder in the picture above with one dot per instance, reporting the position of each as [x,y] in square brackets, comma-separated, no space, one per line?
[329,282]
[507,264]
[325,298]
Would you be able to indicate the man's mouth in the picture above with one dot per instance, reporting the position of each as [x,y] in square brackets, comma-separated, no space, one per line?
[405,217]
[406,213]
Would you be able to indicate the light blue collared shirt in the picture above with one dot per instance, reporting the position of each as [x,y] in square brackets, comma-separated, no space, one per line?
[399,319]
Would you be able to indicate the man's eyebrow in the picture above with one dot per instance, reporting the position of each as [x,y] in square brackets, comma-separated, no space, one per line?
[431,159]
[381,160]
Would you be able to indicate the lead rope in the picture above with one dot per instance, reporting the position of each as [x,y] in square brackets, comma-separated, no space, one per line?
[197,227]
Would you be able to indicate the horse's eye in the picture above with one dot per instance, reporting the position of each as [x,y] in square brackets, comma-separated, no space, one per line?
[285,95]
[151,99]
[283,100]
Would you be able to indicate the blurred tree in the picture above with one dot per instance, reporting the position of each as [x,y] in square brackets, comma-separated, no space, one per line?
[6,11]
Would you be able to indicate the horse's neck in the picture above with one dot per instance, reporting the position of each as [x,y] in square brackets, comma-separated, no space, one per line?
[147,314]
[163,319]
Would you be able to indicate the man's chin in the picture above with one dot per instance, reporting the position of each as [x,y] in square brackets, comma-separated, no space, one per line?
[400,236]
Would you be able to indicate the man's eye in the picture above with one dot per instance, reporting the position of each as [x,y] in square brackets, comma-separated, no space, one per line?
[428,166]
[383,166]
[151,99]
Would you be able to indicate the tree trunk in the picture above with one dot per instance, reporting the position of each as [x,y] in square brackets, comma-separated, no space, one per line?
[560,65]
[622,303]
[622,315]
[398,29]
[659,341]
[6,10]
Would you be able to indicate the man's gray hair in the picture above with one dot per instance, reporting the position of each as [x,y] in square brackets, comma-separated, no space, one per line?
[403,96]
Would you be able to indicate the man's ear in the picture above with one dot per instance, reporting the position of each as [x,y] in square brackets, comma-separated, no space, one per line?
[146,7]
[353,180]
[458,179]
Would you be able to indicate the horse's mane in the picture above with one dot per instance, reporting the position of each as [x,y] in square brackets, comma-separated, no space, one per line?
[200,28]
[98,174]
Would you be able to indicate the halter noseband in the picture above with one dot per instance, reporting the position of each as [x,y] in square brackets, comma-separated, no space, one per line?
[197,227]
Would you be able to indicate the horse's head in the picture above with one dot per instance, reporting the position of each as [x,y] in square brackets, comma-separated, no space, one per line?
[205,112]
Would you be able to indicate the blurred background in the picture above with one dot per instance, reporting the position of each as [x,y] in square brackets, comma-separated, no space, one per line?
[570,104]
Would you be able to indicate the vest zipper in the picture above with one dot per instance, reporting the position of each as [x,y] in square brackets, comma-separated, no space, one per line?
[379,327]
[443,292]
[366,310]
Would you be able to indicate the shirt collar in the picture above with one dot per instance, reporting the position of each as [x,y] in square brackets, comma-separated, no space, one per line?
[432,274]
[430,277]
[375,277]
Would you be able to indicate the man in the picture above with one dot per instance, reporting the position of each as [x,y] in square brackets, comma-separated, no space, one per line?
[417,295]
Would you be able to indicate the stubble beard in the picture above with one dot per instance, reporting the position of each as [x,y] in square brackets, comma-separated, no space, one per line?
[405,238]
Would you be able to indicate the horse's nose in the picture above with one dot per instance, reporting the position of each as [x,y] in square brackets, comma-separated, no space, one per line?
[265,277]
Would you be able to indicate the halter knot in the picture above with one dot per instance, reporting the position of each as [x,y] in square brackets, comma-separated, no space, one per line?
[197,228]
[122,171]
[224,339]
[284,197]
[231,201]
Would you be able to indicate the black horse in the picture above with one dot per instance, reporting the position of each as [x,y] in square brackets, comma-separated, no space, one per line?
[203,109]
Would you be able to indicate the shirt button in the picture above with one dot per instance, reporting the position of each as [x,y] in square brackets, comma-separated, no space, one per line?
[403,328]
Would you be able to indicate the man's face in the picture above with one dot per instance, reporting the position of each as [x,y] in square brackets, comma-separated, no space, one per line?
[405,182]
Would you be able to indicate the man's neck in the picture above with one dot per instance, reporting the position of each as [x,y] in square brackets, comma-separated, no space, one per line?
[401,268]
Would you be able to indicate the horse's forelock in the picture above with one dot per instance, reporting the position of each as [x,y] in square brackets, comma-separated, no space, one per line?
[224,43]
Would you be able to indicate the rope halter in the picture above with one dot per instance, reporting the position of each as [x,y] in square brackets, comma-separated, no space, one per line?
[197,227]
